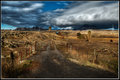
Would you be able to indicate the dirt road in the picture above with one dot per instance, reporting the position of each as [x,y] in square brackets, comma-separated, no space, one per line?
[52,64]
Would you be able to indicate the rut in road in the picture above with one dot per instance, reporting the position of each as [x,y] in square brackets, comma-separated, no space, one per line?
[55,65]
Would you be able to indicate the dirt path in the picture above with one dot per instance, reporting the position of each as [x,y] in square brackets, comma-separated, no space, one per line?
[54,65]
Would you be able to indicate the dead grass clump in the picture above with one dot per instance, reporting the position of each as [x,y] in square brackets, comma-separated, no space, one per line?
[35,66]
[8,71]
[14,71]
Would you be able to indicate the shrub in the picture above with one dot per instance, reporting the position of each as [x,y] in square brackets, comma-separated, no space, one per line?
[80,36]
[9,71]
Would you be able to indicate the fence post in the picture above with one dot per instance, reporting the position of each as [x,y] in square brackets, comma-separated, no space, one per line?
[95,57]
[78,53]
[33,50]
[12,58]
[18,59]
[82,54]
[26,52]
[21,55]
[87,55]
[29,51]
[66,47]
[35,46]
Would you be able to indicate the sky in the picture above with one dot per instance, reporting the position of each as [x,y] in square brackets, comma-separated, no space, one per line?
[5,26]
[60,14]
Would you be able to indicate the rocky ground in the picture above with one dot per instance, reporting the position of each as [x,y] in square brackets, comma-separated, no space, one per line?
[56,56]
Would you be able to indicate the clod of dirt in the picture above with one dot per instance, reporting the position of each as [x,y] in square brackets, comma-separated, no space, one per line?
[111,40]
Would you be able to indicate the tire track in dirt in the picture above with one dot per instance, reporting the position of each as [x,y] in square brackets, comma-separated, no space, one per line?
[54,65]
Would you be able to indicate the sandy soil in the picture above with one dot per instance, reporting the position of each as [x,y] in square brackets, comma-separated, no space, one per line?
[53,58]
[54,64]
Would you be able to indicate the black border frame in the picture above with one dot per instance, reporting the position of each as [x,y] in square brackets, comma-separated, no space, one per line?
[62,78]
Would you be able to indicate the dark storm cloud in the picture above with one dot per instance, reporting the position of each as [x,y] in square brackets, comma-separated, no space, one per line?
[90,12]
[16,3]
[74,15]
[21,13]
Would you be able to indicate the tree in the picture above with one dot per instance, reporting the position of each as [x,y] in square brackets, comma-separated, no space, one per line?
[50,28]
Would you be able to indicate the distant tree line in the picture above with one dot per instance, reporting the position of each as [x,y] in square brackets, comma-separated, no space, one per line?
[29,29]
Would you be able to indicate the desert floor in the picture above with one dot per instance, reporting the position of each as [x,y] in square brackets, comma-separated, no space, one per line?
[44,54]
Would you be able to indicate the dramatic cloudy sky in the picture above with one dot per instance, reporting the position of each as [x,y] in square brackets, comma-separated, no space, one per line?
[60,14]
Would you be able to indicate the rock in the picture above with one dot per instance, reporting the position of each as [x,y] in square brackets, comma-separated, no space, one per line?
[111,40]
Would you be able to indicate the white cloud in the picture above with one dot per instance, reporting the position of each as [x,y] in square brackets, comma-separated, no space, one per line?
[14,2]
[17,22]
[59,10]
[9,8]
[58,3]
[88,12]
[32,7]
[25,9]
[67,28]
[5,7]
[65,3]
[62,3]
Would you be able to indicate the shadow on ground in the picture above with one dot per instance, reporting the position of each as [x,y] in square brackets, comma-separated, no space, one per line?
[55,66]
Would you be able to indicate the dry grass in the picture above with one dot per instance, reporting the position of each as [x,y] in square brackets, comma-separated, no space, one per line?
[82,51]
[14,71]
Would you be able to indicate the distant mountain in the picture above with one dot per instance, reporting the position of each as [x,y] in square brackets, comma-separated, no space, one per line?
[85,26]
[29,29]
[90,26]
